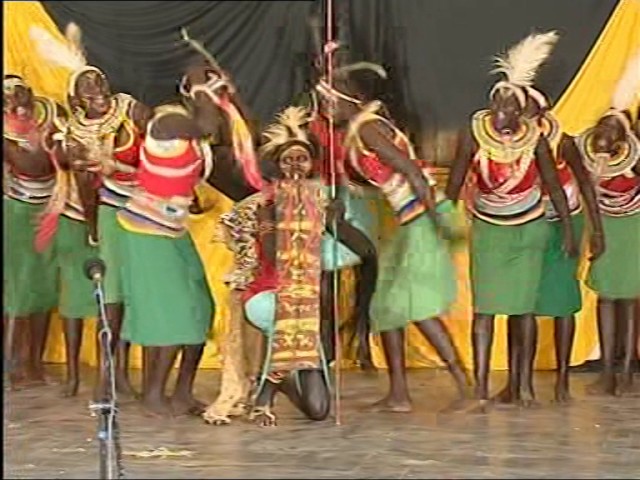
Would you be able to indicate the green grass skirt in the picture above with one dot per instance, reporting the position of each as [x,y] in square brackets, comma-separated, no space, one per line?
[72,250]
[166,294]
[506,266]
[416,277]
[616,274]
[559,289]
[109,231]
[30,278]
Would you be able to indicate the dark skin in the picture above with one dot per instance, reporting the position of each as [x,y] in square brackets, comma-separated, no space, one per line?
[25,337]
[93,97]
[377,137]
[522,338]
[609,136]
[564,327]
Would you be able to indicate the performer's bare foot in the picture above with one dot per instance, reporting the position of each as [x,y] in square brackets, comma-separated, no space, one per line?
[562,395]
[605,385]
[157,407]
[507,396]
[70,387]
[528,398]
[18,381]
[124,389]
[627,388]
[263,417]
[391,404]
[187,405]
[37,378]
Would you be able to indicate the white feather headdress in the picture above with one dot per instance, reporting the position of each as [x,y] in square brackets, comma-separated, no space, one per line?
[289,127]
[628,87]
[69,54]
[520,65]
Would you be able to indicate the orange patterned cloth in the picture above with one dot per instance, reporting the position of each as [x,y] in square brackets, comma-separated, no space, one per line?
[300,209]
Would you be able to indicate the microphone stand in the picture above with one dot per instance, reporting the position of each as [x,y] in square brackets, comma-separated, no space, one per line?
[106,408]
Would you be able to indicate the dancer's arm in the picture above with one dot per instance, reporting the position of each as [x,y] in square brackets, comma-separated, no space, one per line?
[551,181]
[374,138]
[570,154]
[461,163]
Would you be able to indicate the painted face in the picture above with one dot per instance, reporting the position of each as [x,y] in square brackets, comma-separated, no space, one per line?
[608,136]
[17,99]
[295,163]
[505,113]
[94,94]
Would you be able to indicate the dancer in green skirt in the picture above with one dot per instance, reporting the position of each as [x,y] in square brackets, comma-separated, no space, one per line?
[559,294]
[511,168]
[30,284]
[611,152]
[416,281]
[103,137]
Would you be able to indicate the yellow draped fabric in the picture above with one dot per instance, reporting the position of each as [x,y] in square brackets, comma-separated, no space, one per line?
[587,96]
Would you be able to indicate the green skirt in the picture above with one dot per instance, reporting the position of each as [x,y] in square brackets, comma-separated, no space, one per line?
[416,277]
[109,232]
[361,212]
[166,294]
[506,266]
[559,289]
[616,274]
[30,284]
[72,250]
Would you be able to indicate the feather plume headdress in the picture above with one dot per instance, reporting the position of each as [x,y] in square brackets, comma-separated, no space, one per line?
[626,92]
[69,54]
[289,127]
[10,82]
[520,65]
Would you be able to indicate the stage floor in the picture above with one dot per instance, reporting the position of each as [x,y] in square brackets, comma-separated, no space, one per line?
[50,437]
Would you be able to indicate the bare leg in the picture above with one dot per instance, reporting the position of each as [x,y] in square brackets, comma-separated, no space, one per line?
[435,332]
[120,351]
[366,278]
[397,400]
[628,308]
[153,397]
[529,338]
[262,413]
[564,333]
[606,384]
[39,325]
[309,393]
[367,274]
[16,349]
[182,400]
[327,336]
[73,341]
[511,392]
[482,342]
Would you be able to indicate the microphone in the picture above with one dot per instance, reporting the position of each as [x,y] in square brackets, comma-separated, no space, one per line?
[94,269]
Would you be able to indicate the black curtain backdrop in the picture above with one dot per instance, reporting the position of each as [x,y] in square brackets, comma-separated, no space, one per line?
[438,52]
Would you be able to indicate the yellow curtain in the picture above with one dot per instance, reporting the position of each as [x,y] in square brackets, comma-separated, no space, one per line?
[587,96]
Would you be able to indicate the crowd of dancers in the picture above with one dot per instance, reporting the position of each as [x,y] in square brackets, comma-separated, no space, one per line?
[108,176]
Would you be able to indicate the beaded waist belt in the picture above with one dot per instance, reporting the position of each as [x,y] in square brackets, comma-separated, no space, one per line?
[116,194]
[511,209]
[145,213]
[616,204]
[403,200]
[28,191]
